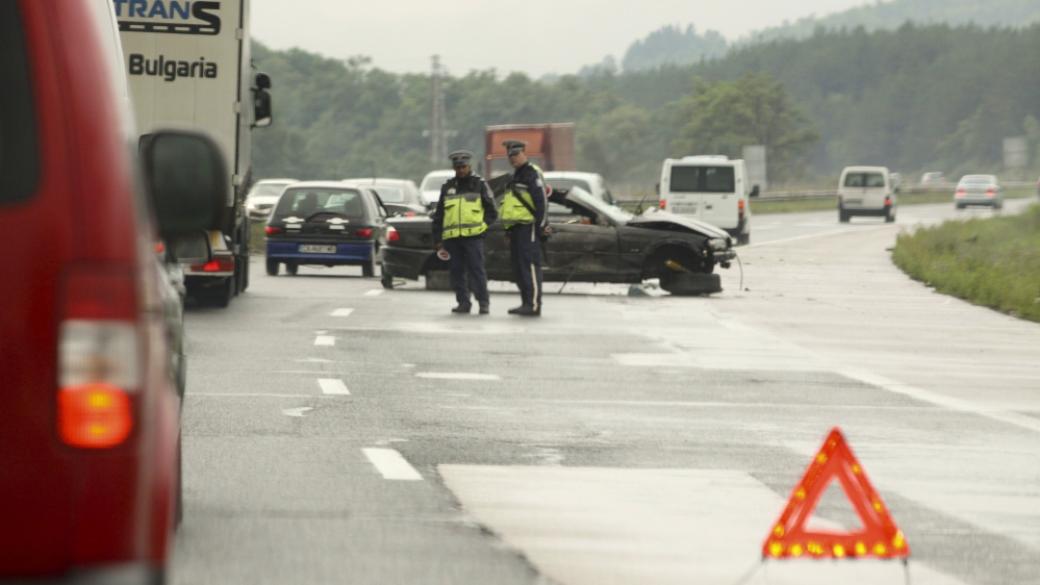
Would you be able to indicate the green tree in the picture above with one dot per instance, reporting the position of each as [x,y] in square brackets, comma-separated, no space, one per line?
[724,117]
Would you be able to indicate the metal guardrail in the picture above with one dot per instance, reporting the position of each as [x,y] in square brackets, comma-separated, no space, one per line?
[803,195]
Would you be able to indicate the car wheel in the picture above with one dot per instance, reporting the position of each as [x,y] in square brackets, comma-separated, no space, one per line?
[292,268]
[272,267]
[386,279]
[688,284]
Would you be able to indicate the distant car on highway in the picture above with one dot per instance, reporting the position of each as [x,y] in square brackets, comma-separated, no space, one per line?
[326,223]
[593,183]
[263,196]
[982,190]
[592,242]
[430,187]
[400,196]
[90,445]
[933,179]
[866,191]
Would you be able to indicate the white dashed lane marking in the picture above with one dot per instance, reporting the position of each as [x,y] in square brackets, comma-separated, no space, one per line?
[458,376]
[342,312]
[392,465]
[333,387]
[324,341]
[374,292]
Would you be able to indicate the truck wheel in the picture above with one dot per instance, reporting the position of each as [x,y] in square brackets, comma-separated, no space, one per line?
[744,239]
[890,215]
[245,274]
[272,267]
[843,216]
[224,293]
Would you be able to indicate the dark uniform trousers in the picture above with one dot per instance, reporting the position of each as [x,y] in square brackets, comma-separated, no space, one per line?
[467,258]
[525,251]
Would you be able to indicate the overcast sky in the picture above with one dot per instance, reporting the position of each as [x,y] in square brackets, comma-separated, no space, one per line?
[401,35]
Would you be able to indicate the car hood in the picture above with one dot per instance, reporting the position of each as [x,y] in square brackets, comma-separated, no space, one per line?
[656,216]
[262,199]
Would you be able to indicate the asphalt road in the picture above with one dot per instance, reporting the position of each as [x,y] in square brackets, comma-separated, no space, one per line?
[338,433]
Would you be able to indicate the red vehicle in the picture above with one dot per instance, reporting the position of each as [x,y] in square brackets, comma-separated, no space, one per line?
[90,441]
[550,146]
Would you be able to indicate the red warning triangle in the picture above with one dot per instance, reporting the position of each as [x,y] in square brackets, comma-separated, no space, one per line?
[879,537]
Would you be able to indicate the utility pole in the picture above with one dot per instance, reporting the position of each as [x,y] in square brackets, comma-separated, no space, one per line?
[438,134]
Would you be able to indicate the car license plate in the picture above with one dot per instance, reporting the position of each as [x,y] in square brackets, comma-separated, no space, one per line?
[685,208]
[854,201]
[315,249]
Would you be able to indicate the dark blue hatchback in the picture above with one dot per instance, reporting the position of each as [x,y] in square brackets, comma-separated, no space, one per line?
[326,224]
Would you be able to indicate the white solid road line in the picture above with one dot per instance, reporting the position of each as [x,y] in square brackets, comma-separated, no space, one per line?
[333,387]
[324,341]
[457,376]
[374,292]
[243,395]
[296,412]
[817,235]
[391,465]
[1012,418]
[342,312]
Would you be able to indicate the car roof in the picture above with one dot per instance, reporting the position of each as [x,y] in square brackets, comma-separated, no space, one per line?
[573,175]
[378,181]
[320,185]
[865,169]
[276,181]
[979,177]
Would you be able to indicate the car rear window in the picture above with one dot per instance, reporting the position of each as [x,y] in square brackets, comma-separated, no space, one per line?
[703,179]
[390,194]
[19,156]
[868,180]
[307,203]
[569,183]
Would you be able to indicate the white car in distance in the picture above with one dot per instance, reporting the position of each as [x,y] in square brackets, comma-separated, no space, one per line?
[264,196]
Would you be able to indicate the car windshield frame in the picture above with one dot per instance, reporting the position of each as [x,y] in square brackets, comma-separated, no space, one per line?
[614,214]
[284,210]
[268,189]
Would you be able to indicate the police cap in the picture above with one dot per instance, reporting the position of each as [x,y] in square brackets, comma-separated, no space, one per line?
[461,158]
[514,146]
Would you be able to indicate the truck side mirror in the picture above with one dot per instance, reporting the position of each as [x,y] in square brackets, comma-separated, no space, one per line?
[187,180]
[263,81]
[755,191]
[262,115]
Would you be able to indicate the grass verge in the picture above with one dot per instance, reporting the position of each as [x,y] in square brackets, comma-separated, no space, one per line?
[991,262]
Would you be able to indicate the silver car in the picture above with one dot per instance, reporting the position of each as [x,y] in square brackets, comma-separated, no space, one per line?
[979,190]
[263,197]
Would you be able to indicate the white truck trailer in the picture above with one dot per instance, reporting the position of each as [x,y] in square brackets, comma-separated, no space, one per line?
[188,63]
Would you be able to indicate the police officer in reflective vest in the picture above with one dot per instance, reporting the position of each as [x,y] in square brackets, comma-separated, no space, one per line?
[463,214]
[523,215]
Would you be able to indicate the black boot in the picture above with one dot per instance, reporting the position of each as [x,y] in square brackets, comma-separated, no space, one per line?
[485,309]
[529,312]
[462,309]
[516,310]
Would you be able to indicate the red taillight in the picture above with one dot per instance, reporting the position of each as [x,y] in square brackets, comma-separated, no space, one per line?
[741,207]
[961,192]
[364,233]
[662,204]
[94,416]
[991,193]
[888,202]
[273,230]
[392,234]
[160,248]
[218,264]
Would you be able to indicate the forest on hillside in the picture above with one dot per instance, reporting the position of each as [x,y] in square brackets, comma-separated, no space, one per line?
[915,98]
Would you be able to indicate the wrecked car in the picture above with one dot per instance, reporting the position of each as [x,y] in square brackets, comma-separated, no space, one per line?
[591,241]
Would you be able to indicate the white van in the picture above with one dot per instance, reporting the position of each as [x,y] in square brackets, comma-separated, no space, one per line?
[866,191]
[714,189]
